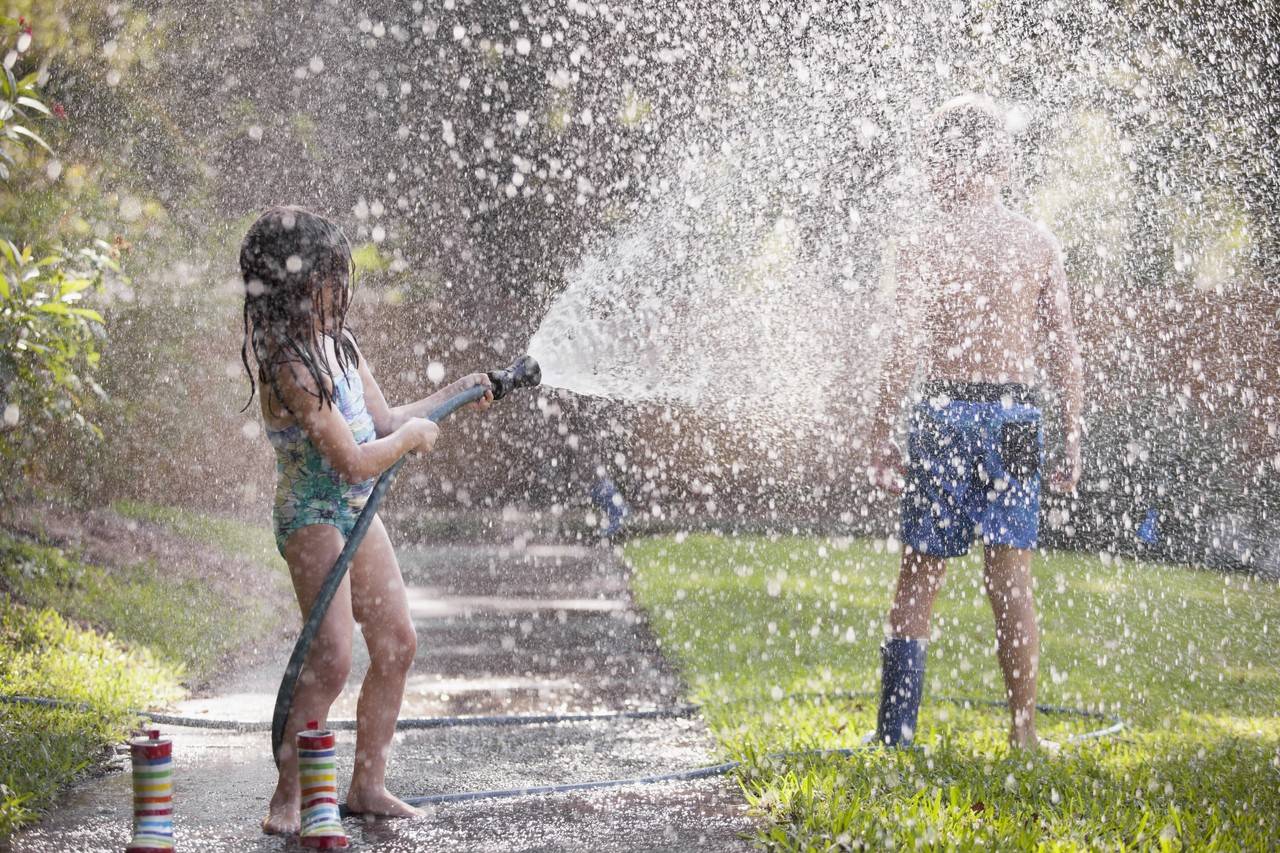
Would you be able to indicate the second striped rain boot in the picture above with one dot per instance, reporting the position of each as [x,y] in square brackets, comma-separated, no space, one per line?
[318,779]
[152,759]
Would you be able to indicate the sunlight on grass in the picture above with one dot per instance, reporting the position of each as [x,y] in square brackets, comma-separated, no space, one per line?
[41,654]
[184,622]
[1186,657]
[113,638]
[234,538]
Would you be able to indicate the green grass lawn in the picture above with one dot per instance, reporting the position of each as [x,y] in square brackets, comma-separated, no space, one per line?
[183,622]
[111,639]
[42,654]
[1190,659]
[246,541]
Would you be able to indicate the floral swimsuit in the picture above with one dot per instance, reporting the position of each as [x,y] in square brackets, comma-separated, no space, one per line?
[308,490]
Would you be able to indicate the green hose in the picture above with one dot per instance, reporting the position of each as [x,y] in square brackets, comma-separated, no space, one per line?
[284,698]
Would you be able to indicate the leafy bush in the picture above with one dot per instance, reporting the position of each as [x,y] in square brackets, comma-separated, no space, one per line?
[48,339]
[48,334]
[21,99]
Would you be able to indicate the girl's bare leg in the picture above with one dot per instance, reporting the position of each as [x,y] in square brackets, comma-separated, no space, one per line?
[919,580]
[1008,581]
[310,552]
[382,609]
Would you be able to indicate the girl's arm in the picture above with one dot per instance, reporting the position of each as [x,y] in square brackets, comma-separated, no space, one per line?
[387,419]
[330,433]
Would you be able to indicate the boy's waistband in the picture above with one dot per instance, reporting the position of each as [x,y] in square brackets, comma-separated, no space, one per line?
[982,392]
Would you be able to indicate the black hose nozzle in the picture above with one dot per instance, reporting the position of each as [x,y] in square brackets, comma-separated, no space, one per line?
[523,373]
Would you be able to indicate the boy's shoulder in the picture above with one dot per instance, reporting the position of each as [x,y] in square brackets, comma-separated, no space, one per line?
[1042,233]
[1037,236]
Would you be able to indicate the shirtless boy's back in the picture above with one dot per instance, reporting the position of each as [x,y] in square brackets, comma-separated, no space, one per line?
[992,313]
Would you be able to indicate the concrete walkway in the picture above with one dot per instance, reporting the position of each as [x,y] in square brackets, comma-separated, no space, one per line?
[519,629]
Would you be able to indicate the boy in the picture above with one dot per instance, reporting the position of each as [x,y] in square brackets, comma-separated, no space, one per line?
[995,312]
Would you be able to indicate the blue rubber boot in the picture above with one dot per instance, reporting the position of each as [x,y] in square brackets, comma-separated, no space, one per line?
[901,684]
[612,506]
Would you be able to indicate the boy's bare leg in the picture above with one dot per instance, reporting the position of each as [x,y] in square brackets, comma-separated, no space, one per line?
[1008,580]
[919,580]
[381,607]
[902,655]
[310,552]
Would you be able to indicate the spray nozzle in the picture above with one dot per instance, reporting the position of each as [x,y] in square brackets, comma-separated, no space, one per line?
[523,373]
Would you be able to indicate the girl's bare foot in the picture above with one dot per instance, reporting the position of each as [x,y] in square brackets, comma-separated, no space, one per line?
[381,803]
[283,816]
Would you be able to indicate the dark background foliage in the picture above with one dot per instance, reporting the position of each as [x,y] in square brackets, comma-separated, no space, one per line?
[409,124]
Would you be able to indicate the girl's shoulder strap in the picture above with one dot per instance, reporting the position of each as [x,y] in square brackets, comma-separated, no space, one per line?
[350,348]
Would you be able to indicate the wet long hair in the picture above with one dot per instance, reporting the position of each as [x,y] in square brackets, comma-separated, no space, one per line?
[288,258]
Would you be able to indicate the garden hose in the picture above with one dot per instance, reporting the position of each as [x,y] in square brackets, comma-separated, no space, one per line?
[1114,726]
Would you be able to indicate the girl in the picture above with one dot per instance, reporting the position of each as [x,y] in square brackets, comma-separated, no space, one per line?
[333,434]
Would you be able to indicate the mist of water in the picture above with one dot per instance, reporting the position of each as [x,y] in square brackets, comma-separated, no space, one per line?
[752,279]
[736,289]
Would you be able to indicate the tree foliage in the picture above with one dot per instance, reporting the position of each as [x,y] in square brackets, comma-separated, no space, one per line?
[49,329]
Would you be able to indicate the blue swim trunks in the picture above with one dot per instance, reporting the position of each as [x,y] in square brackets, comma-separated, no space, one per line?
[974,457]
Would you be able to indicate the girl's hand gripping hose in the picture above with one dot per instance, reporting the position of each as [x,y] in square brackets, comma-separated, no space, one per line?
[523,373]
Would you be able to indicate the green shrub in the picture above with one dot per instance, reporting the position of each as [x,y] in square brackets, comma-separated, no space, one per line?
[49,331]
[41,654]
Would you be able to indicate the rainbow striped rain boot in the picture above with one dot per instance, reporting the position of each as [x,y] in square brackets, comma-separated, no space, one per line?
[152,794]
[318,778]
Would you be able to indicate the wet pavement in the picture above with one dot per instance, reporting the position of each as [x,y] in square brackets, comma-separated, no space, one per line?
[516,629]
